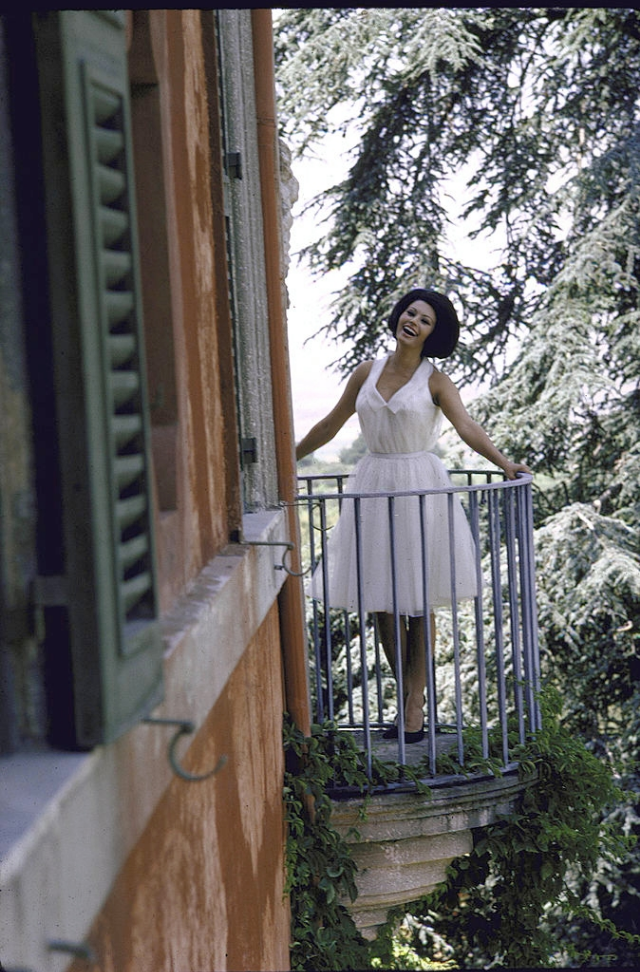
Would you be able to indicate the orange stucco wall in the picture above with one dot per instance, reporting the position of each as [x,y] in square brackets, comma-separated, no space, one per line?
[203,888]
[198,529]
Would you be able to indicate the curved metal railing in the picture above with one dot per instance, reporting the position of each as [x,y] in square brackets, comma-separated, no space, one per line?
[482,677]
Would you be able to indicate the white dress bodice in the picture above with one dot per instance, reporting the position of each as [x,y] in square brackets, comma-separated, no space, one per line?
[408,422]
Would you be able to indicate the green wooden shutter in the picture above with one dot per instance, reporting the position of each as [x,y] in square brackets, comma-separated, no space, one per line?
[101,400]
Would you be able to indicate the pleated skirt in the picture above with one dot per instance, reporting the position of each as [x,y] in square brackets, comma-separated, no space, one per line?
[397,541]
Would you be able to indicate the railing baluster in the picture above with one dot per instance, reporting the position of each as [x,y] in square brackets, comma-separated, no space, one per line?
[396,628]
[534,607]
[479,624]
[530,621]
[316,617]
[496,583]
[379,692]
[455,629]
[428,646]
[531,586]
[346,619]
[514,613]
[328,648]
[363,639]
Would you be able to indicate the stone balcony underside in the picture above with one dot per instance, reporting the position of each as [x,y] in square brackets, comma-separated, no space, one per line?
[407,840]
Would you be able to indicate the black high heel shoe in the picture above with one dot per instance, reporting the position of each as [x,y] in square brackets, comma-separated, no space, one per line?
[414,737]
[409,737]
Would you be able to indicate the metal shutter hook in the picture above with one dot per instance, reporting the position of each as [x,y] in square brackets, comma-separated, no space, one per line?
[184,727]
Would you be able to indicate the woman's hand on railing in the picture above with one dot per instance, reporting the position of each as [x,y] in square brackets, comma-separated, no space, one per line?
[511,469]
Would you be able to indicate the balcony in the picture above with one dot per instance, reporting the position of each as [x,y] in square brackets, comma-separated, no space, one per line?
[482,678]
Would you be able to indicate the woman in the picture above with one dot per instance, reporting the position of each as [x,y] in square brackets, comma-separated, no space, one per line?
[400,400]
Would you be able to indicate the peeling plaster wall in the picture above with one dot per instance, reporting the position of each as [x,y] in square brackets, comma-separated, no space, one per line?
[198,530]
[203,888]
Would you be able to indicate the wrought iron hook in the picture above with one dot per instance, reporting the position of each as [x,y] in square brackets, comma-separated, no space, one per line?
[278,543]
[78,949]
[184,727]
[290,572]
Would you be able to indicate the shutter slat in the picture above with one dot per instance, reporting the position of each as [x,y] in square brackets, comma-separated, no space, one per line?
[105,105]
[129,510]
[133,550]
[110,143]
[120,304]
[116,265]
[125,385]
[114,223]
[111,184]
[135,589]
[125,428]
[122,348]
[128,469]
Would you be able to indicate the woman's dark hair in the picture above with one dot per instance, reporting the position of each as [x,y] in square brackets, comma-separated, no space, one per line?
[444,337]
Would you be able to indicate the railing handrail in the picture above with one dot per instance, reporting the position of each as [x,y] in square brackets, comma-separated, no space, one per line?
[522,480]
[452,470]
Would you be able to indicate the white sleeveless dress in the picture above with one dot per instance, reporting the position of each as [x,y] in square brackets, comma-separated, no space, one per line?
[399,434]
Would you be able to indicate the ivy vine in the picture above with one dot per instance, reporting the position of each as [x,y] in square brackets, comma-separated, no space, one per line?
[320,868]
[494,899]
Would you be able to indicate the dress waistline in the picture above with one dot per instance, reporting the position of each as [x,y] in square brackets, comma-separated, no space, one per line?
[399,455]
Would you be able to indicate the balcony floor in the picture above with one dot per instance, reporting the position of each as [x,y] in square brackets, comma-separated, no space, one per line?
[387,749]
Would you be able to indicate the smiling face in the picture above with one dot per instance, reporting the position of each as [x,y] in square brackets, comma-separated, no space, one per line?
[416,323]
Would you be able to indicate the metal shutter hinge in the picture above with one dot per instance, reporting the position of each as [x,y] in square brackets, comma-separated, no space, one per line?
[249,450]
[234,165]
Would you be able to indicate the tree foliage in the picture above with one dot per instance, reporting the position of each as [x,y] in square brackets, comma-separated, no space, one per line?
[541,848]
[533,108]
[522,125]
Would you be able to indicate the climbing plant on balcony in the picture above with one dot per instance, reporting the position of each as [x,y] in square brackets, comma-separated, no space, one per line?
[502,902]
[498,901]
[320,869]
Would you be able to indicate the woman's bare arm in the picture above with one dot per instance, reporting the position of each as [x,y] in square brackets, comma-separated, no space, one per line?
[324,430]
[447,396]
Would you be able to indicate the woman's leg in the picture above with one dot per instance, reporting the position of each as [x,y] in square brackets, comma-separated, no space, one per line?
[412,654]
[416,672]
[387,631]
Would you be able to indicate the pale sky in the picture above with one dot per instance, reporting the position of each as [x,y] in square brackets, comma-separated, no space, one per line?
[315,386]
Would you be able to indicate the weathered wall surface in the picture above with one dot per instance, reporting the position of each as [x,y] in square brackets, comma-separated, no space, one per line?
[77,820]
[197,530]
[203,888]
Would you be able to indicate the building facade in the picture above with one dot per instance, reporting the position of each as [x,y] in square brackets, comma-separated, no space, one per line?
[151,636]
